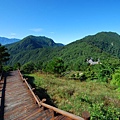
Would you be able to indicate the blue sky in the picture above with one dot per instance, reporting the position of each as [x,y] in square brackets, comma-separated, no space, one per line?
[62,20]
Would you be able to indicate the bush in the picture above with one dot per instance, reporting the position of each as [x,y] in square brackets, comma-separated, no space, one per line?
[116,80]
[28,67]
[7,68]
[56,66]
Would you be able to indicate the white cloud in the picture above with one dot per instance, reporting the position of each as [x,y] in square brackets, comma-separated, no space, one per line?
[12,35]
[36,29]
[52,32]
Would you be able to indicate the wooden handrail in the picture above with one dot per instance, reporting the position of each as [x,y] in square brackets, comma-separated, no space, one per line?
[40,103]
[36,99]
[67,114]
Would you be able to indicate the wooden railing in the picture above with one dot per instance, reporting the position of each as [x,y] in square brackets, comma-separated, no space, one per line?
[85,115]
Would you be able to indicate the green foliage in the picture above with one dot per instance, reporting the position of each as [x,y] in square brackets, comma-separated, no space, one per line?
[73,75]
[17,66]
[116,79]
[39,65]
[99,98]
[78,76]
[28,67]
[7,68]
[32,42]
[56,66]
[106,41]
[4,56]
[102,45]
[38,82]
[100,72]
[101,112]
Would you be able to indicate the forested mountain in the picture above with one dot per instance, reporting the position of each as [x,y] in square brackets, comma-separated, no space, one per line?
[32,42]
[5,41]
[106,41]
[104,45]
[31,48]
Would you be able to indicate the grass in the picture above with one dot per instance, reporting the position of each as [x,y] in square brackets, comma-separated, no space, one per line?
[100,99]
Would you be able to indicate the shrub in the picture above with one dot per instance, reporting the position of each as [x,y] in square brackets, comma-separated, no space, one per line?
[28,67]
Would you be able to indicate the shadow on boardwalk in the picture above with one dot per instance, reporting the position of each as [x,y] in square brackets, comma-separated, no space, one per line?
[2,91]
[41,93]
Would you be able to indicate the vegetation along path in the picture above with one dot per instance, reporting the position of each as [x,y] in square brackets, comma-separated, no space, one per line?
[20,103]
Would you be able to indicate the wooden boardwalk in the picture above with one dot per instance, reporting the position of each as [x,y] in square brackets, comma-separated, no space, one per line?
[20,104]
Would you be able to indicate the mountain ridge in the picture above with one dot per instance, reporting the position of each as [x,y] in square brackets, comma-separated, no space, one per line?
[75,53]
[106,41]
[32,42]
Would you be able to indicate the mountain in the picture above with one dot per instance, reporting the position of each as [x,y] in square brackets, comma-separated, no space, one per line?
[5,41]
[27,46]
[106,41]
[32,42]
[103,45]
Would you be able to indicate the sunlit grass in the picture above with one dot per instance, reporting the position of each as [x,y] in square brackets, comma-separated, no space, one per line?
[76,97]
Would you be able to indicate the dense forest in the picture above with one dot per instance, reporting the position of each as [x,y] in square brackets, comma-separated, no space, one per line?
[104,45]
[94,59]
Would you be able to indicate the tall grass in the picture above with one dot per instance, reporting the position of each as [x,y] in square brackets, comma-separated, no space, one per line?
[100,99]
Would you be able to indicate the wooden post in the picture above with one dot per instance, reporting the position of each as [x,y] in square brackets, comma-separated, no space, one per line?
[52,114]
[86,115]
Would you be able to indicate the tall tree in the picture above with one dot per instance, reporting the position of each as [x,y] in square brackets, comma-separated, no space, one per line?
[28,67]
[56,66]
[4,55]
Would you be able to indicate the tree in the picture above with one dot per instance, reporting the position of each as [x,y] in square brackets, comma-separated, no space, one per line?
[28,67]
[56,66]
[39,65]
[116,79]
[17,66]
[4,55]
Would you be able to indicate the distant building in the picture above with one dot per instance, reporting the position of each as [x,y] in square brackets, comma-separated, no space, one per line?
[91,62]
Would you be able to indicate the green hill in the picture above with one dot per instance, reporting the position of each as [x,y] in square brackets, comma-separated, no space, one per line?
[30,43]
[106,41]
[31,48]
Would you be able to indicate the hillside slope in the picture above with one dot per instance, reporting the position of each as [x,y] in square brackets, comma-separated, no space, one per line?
[104,45]
[106,41]
[30,43]
[31,48]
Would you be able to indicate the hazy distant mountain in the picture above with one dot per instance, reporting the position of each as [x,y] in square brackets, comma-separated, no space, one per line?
[5,41]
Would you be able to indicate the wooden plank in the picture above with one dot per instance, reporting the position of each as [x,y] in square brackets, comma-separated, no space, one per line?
[19,101]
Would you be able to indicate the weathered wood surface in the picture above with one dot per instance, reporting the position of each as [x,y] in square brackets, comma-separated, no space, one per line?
[20,104]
